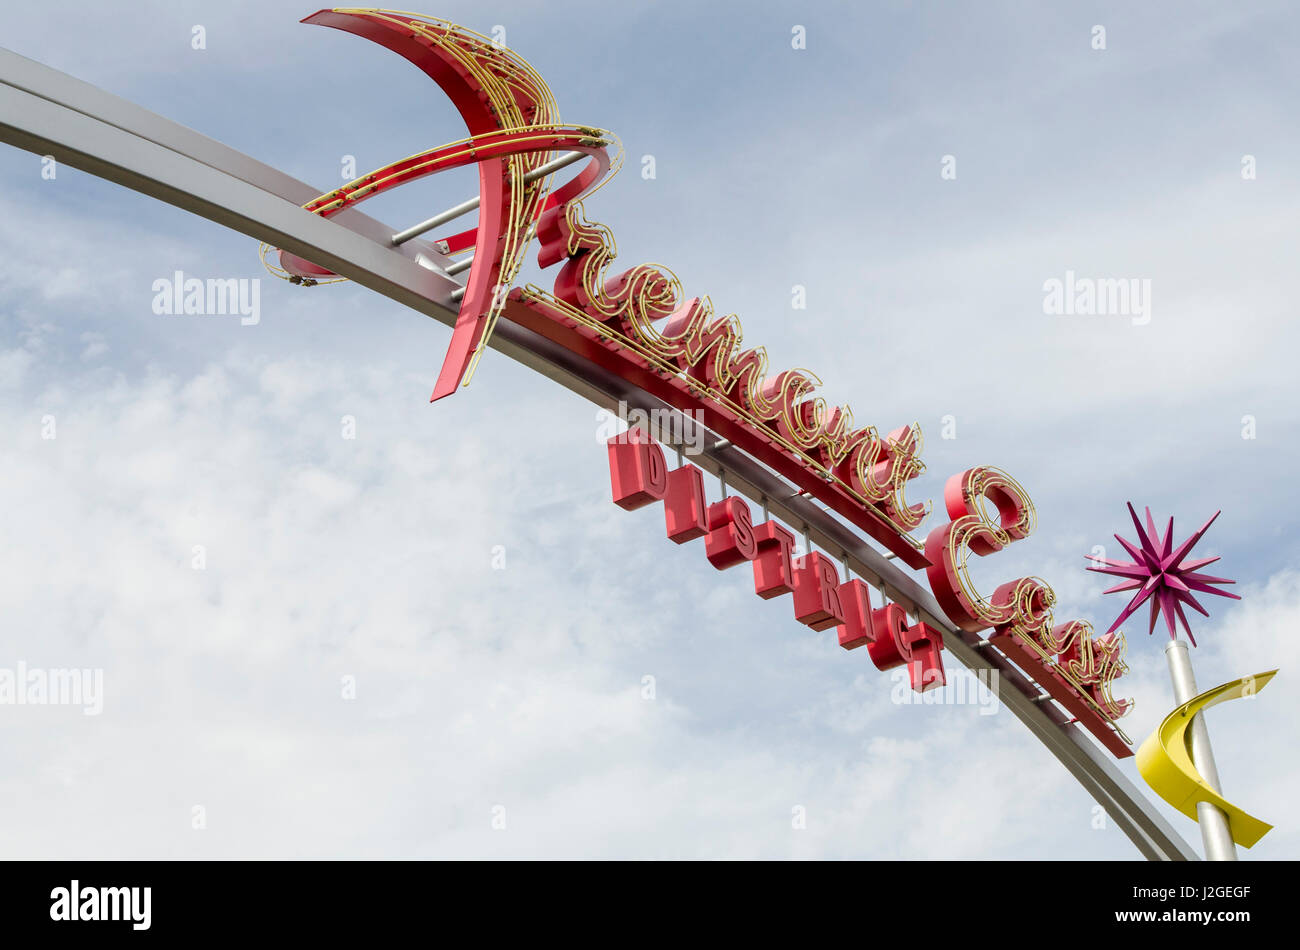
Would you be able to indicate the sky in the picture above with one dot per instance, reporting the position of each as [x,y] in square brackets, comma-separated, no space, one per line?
[438,637]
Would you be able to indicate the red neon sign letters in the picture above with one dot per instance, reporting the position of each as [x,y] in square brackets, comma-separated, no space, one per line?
[639,476]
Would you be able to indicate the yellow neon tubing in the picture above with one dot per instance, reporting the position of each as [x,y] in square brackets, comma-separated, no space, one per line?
[1165,761]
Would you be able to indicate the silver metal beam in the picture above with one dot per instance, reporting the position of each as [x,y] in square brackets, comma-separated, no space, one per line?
[146,153]
[49,113]
[41,81]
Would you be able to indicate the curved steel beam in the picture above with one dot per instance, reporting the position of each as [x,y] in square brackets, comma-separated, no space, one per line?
[50,113]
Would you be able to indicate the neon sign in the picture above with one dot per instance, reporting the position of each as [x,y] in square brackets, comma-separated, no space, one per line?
[639,324]
[639,476]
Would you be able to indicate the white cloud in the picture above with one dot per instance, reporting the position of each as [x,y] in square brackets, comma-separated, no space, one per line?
[370,558]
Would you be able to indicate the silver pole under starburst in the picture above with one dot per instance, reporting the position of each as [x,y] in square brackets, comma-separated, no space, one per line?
[1161,574]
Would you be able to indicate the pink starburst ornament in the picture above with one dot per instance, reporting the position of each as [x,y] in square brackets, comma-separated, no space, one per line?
[1162,575]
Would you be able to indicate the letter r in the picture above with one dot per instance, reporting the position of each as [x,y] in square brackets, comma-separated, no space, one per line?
[816,592]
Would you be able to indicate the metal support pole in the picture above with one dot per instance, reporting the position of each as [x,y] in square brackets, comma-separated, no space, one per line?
[465,207]
[1214,823]
[451,214]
